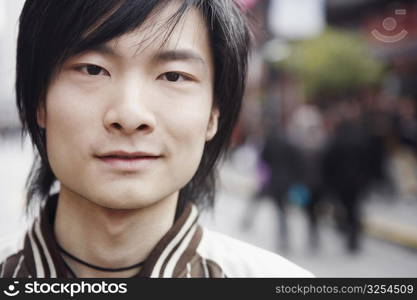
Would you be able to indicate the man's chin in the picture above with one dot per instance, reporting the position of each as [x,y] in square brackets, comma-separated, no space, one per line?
[122,202]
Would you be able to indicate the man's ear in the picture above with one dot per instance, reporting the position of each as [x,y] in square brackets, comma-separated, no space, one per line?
[41,116]
[213,123]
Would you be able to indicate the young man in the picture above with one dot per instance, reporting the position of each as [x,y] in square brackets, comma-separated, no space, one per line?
[130,104]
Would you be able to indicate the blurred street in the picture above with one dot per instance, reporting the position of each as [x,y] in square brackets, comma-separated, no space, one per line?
[376,258]
[382,254]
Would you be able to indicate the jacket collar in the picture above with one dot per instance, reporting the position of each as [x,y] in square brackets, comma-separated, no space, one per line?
[44,260]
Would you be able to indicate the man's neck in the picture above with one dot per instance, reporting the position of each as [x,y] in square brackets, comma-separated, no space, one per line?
[109,238]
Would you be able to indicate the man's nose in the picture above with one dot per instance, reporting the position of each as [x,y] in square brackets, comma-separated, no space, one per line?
[129,110]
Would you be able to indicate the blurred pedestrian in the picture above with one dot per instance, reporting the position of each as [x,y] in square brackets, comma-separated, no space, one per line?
[307,134]
[279,165]
[348,173]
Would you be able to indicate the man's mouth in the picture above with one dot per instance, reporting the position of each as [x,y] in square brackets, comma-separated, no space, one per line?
[128,157]
[125,161]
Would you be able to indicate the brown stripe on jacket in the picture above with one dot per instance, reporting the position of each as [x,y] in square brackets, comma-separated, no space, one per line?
[188,255]
[162,244]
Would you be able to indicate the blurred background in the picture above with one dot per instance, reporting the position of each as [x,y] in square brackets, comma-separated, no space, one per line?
[323,167]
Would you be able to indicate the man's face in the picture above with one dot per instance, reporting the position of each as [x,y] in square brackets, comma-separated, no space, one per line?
[126,123]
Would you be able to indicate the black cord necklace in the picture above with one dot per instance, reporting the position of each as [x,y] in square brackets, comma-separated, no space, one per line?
[97,267]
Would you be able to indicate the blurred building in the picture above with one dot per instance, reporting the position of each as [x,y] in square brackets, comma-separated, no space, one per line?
[390,27]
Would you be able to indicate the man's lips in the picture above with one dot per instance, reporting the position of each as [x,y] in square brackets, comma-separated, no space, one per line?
[128,155]
[128,161]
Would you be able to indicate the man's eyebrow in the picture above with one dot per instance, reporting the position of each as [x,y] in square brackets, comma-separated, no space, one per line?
[104,49]
[174,55]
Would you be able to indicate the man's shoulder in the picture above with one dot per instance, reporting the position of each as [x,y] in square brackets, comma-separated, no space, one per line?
[240,259]
[12,259]
[9,264]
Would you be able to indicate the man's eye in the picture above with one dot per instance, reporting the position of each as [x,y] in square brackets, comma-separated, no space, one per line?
[173,77]
[93,70]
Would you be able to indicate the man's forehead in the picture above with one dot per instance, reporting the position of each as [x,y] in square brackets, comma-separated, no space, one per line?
[159,39]
[164,30]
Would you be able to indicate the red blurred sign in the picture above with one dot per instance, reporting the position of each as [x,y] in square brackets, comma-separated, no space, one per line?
[248,4]
[393,27]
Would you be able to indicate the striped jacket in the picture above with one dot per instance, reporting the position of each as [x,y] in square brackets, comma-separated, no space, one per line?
[187,250]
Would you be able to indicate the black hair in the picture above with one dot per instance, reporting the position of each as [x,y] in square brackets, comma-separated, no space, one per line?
[51,31]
